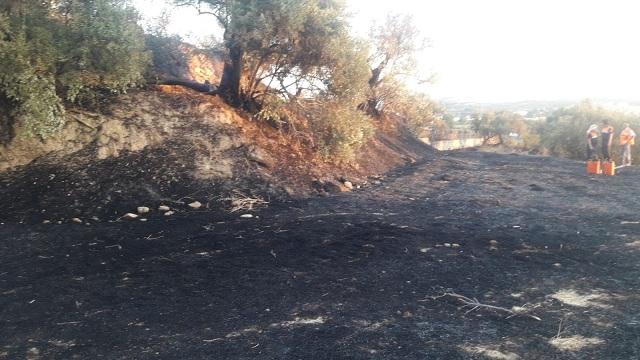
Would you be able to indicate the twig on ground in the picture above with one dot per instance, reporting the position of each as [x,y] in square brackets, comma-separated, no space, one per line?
[83,122]
[242,202]
[474,304]
[560,327]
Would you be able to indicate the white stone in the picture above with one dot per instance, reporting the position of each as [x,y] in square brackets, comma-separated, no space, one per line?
[143,210]
[163,208]
[76,220]
[246,216]
[348,185]
[130,216]
[195,205]
[169,213]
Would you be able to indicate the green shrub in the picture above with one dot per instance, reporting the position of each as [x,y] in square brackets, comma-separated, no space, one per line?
[66,51]
[341,131]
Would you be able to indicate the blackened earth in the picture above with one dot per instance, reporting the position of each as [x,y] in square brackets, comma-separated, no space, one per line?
[348,276]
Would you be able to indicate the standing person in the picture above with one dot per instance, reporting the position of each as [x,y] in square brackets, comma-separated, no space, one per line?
[607,139]
[627,138]
[592,142]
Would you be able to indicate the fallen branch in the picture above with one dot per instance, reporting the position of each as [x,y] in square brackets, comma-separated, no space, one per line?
[474,304]
[240,201]
[76,118]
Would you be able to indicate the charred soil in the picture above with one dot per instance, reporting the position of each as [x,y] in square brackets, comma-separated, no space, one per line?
[358,275]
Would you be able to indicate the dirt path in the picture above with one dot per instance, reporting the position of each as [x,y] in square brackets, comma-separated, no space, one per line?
[353,276]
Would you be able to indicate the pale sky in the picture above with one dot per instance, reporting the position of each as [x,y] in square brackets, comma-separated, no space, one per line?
[505,50]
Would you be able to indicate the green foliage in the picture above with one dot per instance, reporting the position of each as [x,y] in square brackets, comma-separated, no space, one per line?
[418,110]
[564,133]
[298,49]
[66,51]
[341,131]
[273,110]
[393,63]
[502,125]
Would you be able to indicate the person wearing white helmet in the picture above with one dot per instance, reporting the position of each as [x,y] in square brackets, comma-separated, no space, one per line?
[592,142]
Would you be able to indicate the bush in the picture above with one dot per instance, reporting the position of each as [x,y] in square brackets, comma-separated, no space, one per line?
[340,131]
[66,51]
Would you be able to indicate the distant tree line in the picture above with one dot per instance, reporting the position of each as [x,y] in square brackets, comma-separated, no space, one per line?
[562,133]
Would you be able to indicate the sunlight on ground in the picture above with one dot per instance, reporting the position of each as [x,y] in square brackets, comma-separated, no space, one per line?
[300,321]
[284,324]
[634,245]
[367,325]
[575,343]
[573,298]
[490,353]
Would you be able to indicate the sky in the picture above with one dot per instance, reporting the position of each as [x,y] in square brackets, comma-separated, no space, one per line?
[501,50]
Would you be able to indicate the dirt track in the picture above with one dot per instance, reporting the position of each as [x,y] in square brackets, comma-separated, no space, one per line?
[353,276]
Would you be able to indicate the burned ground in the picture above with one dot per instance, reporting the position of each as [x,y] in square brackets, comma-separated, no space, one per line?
[357,275]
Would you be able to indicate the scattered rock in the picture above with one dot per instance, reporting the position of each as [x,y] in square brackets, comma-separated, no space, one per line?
[246,216]
[195,205]
[143,220]
[447,245]
[443,177]
[535,187]
[376,182]
[332,186]
[455,245]
[169,213]
[143,210]
[163,208]
[129,216]
[46,222]
[260,157]
[424,250]
[289,190]
[76,220]
[348,185]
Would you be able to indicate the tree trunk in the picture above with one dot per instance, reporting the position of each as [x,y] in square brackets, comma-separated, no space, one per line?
[229,87]
[375,77]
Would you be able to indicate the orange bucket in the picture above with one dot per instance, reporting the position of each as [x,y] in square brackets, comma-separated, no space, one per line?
[593,167]
[609,168]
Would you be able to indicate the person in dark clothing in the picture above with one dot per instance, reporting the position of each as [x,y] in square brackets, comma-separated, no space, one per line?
[607,139]
[592,142]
